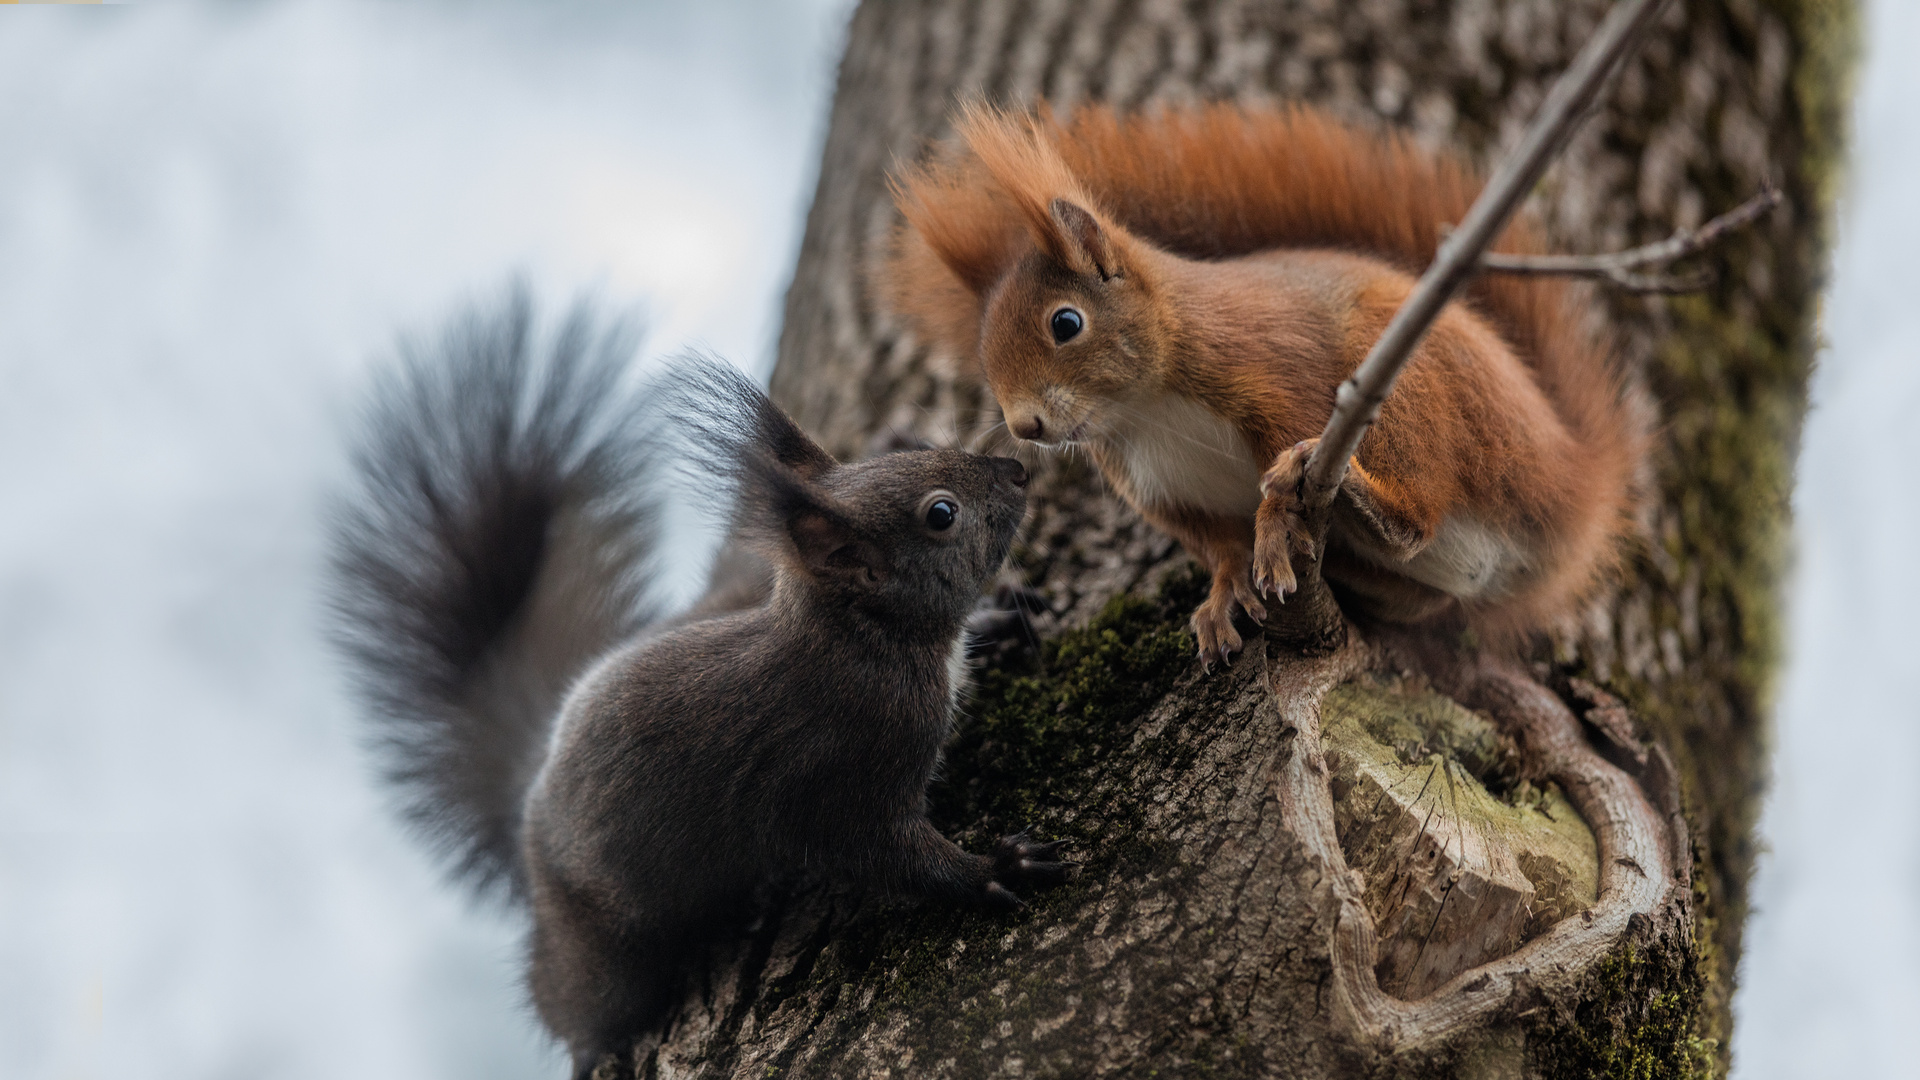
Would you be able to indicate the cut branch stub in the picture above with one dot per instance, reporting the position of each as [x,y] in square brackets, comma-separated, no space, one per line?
[1636,873]
[1455,875]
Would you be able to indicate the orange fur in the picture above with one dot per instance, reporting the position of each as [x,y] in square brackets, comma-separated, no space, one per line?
[1231,268]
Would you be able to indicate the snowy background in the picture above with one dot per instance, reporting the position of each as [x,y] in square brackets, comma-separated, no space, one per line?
[213,220]
[211,223]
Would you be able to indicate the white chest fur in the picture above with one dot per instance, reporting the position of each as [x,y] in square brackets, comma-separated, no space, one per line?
[1465,558]
[1468,560]
[959,673]
[1176,450]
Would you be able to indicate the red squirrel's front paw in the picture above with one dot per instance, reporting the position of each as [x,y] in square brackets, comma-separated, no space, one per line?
[1279,532]
[1273,557]
[1213,622]
[1248,599]
[1283,478]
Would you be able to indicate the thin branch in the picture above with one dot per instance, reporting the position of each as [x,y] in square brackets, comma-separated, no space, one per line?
[1357,404]
[1619,266]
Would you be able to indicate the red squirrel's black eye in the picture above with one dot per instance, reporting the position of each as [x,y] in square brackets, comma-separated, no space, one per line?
[941,514]
[1066,323]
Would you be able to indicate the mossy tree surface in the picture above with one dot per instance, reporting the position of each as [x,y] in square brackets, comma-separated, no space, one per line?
[1191,944]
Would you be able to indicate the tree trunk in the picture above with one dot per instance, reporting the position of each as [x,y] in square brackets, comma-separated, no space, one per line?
[1216,927]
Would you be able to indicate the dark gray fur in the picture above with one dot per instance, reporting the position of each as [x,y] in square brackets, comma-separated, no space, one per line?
[497,544]
[783,729]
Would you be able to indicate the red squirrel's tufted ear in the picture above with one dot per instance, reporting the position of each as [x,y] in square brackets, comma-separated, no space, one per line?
[1022,180]
[1079,241]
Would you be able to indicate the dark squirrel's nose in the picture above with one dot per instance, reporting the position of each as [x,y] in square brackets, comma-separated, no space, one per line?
[1028,427]
[1011,471]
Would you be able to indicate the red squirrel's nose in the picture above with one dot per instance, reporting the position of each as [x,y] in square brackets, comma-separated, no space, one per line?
[1028,427]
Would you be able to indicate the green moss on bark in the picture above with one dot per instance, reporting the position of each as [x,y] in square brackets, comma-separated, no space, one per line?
[1040,723]
[1731,372]
[1635,1020]
[1038,752]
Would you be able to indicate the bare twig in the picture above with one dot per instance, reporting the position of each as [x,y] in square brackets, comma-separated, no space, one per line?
[1619,266]
[1357,403]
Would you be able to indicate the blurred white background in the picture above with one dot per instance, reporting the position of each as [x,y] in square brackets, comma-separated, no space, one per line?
[1831,975]
[213,220]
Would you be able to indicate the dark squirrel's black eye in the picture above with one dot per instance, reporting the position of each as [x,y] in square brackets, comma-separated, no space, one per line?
[1066,324]
[941,514]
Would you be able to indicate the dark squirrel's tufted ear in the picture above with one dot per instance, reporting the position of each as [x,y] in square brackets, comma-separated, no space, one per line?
[793,521]
[730,421]
[1081,243]
[745,447]
[779,436]
[829,547]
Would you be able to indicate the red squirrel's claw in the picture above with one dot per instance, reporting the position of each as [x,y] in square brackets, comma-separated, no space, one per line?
[1278,529]
[1249,602]
[1264,584]
[1212,621]
[1272,560]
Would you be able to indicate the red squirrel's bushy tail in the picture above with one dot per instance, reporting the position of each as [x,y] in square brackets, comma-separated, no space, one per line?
[1219,181]
[497,542]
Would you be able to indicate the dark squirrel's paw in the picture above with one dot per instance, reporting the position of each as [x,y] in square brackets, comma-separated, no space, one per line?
[1019,863]
[1002,616]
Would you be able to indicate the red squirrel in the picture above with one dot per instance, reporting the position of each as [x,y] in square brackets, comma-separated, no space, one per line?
[1180,293]
[636,782]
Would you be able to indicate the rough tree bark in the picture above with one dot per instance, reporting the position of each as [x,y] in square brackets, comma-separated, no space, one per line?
[1203,935]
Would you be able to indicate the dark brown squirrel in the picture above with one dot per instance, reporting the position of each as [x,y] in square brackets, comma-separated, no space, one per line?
[1180,293]
[637,782]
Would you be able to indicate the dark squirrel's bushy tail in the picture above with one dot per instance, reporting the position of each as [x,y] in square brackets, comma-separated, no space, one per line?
[499,540]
